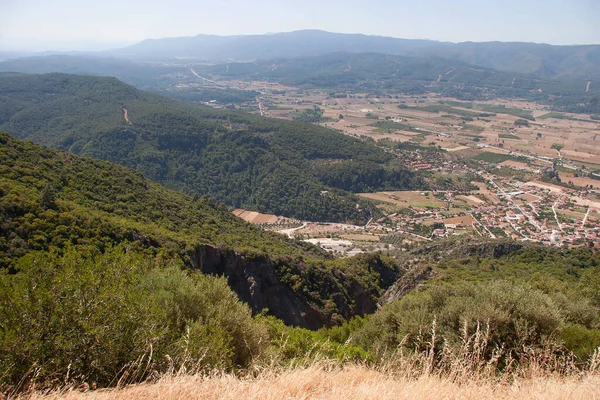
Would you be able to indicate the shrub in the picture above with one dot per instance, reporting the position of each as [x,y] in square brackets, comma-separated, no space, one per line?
[86,316]
[515,316]
[581,340]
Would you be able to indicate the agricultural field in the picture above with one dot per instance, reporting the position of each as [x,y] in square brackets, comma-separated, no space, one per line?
[509,128]
[497,169]
[406,198]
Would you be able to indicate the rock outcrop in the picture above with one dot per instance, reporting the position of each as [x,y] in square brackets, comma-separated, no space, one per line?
[256,282]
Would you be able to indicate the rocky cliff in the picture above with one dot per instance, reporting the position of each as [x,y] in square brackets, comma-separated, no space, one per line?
[258,282]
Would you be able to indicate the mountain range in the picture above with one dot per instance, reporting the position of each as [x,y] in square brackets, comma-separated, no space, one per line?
[548,61]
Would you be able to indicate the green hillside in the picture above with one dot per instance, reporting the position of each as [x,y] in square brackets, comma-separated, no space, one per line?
[384,73]
[242,160]
[497,303]
[51,200]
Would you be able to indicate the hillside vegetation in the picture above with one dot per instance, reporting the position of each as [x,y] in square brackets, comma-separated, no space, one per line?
[102,283]
[242,160]
[97,268]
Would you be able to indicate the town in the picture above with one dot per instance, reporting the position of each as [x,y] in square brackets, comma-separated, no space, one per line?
[502,200]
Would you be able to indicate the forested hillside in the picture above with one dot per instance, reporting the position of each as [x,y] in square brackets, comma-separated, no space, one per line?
[51,201]
[374,73]
[384,73]
[242,160]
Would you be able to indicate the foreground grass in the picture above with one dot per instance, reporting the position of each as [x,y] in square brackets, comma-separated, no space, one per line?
[350,382]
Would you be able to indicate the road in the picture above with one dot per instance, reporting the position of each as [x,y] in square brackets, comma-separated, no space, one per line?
[260,107]
[484,227]
[531,220]
[290,232]
[556,215]
[586,217]
[201,77]
[126,116]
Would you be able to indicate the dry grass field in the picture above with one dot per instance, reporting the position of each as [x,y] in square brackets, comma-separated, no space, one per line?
[351,382]
[466,220]
[579,181]
[255,217]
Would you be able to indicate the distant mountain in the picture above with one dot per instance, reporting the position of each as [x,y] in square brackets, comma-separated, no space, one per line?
[7,55]
[164,79]
[282,167]
[278,45]
[560,62]
[364,72]
[135,73]
[384,73]
[556,62]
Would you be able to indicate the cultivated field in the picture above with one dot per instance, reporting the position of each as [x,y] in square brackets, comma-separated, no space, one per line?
[406,198]
[455,126]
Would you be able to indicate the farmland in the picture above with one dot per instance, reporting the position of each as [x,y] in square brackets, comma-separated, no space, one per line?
[495,168]
[505,127]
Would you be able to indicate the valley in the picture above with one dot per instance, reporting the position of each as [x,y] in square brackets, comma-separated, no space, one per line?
[503,151]
[267,215]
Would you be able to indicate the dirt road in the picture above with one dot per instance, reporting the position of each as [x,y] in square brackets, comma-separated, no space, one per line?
[126,116]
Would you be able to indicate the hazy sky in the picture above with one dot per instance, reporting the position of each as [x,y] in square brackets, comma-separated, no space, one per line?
[79,24]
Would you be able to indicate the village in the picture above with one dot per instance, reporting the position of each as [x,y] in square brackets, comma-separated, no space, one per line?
[495,204]
[499,169]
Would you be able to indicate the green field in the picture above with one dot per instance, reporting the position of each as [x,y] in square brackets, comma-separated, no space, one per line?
[495,158]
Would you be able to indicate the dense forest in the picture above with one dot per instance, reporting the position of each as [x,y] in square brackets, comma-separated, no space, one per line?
[283,167]
[54,204]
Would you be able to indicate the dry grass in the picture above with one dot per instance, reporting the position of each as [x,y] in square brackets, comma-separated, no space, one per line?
[350,382]
[464,372]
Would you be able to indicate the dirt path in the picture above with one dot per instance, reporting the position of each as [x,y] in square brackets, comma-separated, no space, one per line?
[126,116]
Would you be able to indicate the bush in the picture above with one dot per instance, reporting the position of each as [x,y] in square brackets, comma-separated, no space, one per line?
[515,317]
[583,342]
[86,316]
[521,122]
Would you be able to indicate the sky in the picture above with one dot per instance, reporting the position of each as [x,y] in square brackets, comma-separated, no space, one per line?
[38,25]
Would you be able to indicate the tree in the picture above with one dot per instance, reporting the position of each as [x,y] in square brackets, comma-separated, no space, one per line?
[521,122]
[49,196]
